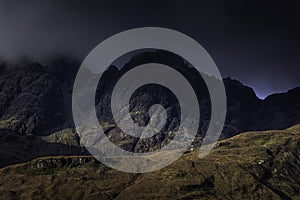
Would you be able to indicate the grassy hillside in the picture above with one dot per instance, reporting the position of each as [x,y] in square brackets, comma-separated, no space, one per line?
[252,165]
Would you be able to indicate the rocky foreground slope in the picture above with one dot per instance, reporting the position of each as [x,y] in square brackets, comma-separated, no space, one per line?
[252,165]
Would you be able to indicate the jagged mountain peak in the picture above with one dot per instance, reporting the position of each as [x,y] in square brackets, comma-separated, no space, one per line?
[37,99]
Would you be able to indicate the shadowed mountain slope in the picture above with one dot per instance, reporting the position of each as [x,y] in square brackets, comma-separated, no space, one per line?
[36,100]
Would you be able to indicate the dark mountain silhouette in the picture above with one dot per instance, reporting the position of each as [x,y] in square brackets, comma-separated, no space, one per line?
[36,100]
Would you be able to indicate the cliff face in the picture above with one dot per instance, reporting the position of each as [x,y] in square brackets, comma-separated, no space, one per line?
[245,110]
[36,100]
[32,101]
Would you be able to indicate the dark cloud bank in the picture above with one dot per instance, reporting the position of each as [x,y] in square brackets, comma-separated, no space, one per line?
[254,41]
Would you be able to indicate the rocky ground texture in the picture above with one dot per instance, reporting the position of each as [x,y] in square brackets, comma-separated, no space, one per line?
[252,165]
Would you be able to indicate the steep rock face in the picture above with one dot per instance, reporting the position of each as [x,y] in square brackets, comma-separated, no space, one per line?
[242,109]
[37,100]
[245,111]
[145,97]
[281,110]
[32,101]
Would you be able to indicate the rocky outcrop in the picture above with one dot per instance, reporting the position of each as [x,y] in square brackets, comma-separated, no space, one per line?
[17,148]
[32,101]
[60,162]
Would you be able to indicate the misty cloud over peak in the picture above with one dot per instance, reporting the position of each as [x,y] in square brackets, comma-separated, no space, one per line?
[256,42]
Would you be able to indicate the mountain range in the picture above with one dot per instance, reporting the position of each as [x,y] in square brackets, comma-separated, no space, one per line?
[36,99]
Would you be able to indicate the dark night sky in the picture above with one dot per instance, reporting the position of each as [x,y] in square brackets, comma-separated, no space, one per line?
[254,41]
